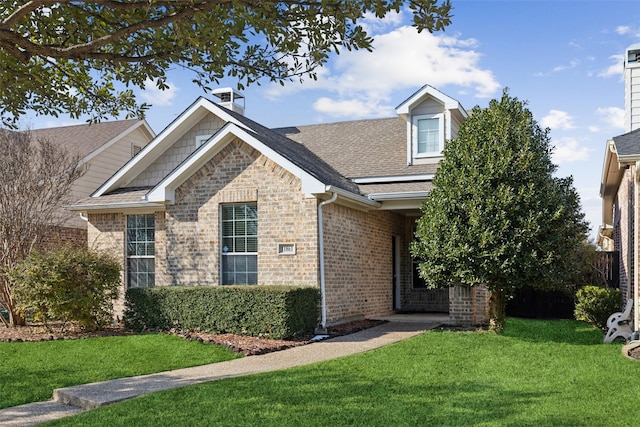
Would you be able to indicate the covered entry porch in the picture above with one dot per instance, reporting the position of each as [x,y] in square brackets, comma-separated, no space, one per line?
[461,305]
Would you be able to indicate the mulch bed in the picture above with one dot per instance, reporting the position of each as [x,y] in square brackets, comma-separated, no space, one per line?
[238,343]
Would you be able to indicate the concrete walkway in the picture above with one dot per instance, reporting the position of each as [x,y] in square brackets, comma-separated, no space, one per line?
[72,400]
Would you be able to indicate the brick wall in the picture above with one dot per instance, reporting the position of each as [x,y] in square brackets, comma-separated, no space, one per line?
[358,261]
[106,232]
[238,173]
[468,305]
[623,227]
[63,236]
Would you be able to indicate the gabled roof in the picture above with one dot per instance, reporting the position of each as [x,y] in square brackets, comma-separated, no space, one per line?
[300,155]
[354,158]
[87,140]
[184,122]
[294,161]
[282,150]
[449,103]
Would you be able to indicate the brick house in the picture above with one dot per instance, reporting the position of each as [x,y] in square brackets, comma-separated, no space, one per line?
[620,189]
[218,199]
[104,148]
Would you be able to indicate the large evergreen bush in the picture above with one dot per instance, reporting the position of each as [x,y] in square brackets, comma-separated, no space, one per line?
[67,284]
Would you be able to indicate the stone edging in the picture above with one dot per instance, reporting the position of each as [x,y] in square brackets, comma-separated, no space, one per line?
[628,347]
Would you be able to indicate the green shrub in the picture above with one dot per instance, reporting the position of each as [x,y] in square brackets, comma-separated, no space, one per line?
[595,304]
[67,284]
[270,311]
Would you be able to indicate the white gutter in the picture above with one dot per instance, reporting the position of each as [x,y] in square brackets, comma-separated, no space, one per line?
[392,178]
[323,296]
[407,195]
[114,207]
[363,201]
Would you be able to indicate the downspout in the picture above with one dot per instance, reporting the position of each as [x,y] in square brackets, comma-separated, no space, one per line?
[636,257]
[323,297]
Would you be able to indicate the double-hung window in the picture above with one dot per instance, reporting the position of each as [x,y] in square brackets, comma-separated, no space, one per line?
[428,135]
[239,258]
[141,251]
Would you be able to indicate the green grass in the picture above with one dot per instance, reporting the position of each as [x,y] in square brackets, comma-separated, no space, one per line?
[538,373]
[30,371]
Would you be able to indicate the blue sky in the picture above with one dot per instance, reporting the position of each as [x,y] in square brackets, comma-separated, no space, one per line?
[564,57]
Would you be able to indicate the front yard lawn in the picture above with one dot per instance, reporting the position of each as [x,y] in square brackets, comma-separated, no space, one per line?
[30,371]
[539,373]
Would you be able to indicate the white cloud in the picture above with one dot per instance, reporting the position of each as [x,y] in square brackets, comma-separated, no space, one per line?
[572,64]
[557,120]
[593,129]
[157,97]
[401,59]
[574,44]
[352,108]
[568,150]
[623,29]
[615,69]
[373,25]
[612,116]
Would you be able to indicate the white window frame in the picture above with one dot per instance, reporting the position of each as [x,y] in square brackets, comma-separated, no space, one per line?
[143,256]
[224,253]
[414,135]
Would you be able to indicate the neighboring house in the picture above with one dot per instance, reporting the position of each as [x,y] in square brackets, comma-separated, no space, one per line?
[620,187]
[218,199]
[104,148]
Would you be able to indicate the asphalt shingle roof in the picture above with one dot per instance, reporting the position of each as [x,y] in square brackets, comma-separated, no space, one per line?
[86,138]
[395,187]
[297,153]
[628,143]
[120,196]
[334,153]
[361,148]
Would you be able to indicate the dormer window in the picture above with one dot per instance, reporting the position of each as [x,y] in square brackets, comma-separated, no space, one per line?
[428,135]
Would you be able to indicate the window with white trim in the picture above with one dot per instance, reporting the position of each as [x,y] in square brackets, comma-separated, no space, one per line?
[141,251]
[428,135]
[239,249]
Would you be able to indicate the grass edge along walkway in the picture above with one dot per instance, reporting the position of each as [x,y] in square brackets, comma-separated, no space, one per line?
[92,395]
[30,371]
[542,373]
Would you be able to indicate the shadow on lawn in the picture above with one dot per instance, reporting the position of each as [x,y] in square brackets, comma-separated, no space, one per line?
[340,397]
[559,331]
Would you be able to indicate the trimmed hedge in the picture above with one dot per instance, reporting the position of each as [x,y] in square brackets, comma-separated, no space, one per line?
[264,311]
